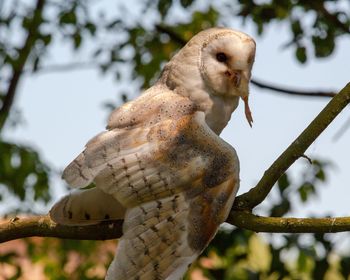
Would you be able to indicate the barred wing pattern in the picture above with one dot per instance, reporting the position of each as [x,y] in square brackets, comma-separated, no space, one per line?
[174,176]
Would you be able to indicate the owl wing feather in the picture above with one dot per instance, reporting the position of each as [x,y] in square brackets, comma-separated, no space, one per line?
[87,207]
[176,179]
[173,214]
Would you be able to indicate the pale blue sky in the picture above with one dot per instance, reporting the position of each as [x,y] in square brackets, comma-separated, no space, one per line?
[62,111]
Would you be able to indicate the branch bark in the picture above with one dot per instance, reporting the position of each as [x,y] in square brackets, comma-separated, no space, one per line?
[43,226]
[18,65]
[247,220]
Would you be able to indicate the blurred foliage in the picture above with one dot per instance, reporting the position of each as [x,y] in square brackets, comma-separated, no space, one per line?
[315,25]
[306,189]
[249,256]
[134,49]
[55,259]
[24,175]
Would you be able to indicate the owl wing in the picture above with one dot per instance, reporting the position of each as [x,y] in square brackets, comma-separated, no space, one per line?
[176,179]
[176,209]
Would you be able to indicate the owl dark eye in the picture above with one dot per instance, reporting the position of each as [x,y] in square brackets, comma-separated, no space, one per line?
[221,57]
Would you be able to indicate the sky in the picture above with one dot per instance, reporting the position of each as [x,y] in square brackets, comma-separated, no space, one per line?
[62,111]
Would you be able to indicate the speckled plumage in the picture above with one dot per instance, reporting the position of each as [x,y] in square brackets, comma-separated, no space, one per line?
[161,164]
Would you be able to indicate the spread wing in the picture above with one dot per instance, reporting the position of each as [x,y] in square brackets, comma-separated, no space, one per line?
[177,180]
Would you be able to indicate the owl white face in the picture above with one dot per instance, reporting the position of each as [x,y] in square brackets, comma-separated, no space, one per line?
[216,62]
[226,62]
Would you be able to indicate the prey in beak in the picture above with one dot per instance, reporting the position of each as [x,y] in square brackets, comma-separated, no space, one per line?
[241,83]
[248,113]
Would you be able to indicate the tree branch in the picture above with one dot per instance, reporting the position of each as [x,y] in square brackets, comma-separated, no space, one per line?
[66,67]
[18,64]
[247,220]
[314,93]
[257,194]
[43,226]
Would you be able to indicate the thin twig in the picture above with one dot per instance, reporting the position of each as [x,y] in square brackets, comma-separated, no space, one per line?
[65,67]
[341,130]
[307,158]
[313,93]
[20,62]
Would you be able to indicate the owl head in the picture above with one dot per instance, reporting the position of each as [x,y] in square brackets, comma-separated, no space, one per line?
[216,61]
[225,61]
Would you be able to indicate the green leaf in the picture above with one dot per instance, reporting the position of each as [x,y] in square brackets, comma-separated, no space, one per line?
[321,175]
[323,46]
[305,190]
[46,39]
[164,6]
[302,261]
[283,183]
[280,209]
[68,18]
[277,264]
[296,28]
[77,39]
[91,27]
[301,54]
[26,22]
[22,170]
[320,269]
[345,266]
[186,3]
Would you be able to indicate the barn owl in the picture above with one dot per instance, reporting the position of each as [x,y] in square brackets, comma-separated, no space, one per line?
[161,165]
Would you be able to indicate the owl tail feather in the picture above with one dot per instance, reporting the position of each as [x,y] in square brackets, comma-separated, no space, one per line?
[155,242]
[86,207]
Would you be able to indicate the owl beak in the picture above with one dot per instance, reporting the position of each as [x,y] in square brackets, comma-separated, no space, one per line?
[248,113]
[237,78]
